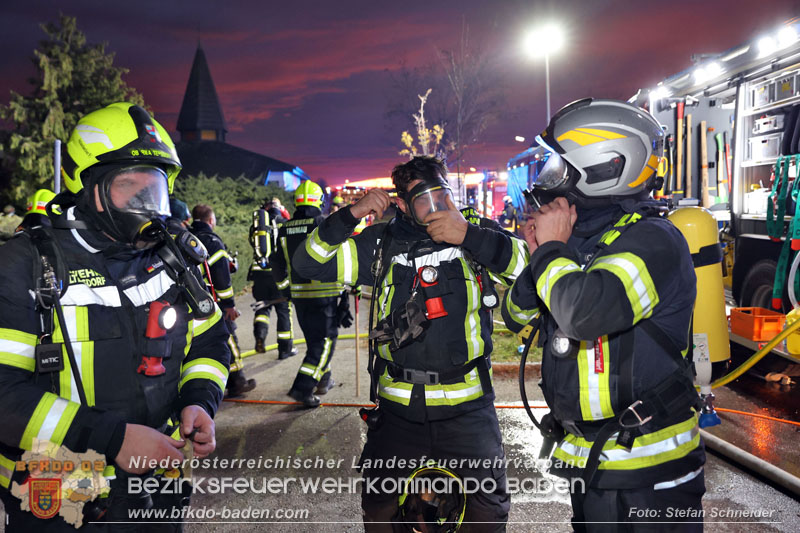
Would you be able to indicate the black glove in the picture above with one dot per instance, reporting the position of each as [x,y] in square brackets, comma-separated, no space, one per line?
[343,316]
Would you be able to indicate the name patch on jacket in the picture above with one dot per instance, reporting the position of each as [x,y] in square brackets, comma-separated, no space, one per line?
[86,276]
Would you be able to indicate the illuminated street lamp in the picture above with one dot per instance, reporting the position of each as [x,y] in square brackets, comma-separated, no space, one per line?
[544,41]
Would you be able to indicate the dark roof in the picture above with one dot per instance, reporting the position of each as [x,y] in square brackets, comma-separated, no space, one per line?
[225,160]
[200,109]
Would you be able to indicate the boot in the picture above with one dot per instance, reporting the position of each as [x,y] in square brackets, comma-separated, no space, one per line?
[286,355]
[324,386]
[238,384]
[260,346]
[308,399]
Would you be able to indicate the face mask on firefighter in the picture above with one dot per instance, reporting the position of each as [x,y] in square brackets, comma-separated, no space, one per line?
[428,197]
[133,197]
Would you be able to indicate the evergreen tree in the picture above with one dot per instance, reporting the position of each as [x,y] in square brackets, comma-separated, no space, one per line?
[72,78]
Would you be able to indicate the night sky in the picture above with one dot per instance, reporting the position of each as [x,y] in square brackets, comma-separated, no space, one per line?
[308,82]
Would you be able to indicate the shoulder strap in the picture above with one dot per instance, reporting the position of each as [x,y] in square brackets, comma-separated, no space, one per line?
[45,245]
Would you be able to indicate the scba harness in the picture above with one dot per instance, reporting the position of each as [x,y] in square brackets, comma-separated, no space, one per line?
[409,321]
[667,402]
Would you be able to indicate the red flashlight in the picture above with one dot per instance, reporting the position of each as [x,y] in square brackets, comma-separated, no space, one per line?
[160,319]
[429,277]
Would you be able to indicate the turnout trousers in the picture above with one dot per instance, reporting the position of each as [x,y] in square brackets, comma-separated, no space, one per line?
[471,437]
[675,509]
[265,290]
[317,318]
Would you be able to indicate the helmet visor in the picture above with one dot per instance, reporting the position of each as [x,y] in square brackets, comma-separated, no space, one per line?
[429,201]
[554,172]
[139,189]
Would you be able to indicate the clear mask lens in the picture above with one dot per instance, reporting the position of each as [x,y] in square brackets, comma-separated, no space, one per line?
[140,189]
[429,201]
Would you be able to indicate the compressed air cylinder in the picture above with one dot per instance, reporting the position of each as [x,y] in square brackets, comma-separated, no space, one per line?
[711,342]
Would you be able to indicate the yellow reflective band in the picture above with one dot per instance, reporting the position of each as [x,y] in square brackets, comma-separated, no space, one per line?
[6,471]
[219,254]
[225,293]
[17,349]
[347,263]
[635,278]
[283,284]
[518,262]
[204,368]
[317,371]
[50,421]
[472,322]
[318,249]
[652,449]
[595,393]
[518,315]
[284,335]
[558,268]
[237,363]
[77,324]
[393,390]
[201,326]
[262,318]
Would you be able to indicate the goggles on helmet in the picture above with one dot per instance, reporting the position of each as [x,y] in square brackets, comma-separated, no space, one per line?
[139,189]
[426,198]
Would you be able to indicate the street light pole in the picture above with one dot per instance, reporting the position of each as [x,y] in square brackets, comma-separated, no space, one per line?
[547,83]
[541,43]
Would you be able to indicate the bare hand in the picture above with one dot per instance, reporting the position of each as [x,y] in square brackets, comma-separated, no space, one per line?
[204,440]
[528,231]
[448,226]
[231,314]
[376,201]
[554,221]
[145,443]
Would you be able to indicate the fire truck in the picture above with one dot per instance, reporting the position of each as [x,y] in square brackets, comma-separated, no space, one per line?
[733,134]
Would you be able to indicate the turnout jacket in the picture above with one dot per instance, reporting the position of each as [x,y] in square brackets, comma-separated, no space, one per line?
[291,237]
[218,263]
[616,271]
[106,311]
[331,253]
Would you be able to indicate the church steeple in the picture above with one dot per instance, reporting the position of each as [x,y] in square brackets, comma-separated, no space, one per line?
[201,117]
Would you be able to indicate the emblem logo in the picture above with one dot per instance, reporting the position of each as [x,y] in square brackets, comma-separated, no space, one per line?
[45,497]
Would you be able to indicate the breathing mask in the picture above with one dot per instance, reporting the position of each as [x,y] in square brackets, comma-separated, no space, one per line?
[131,197]
[427,197]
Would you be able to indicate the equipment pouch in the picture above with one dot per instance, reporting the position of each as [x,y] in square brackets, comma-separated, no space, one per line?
[49,358]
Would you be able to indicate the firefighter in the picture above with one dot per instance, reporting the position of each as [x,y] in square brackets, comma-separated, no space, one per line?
[508,217]
[114,301]
[429,269]
[263,233]
[337,203]
[219,267]
[315,302]
[36,213]
[612,286]
[180,212]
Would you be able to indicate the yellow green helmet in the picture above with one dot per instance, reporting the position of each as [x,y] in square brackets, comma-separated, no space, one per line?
[338,200]
[37,202]
[121,133]
[308,193]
